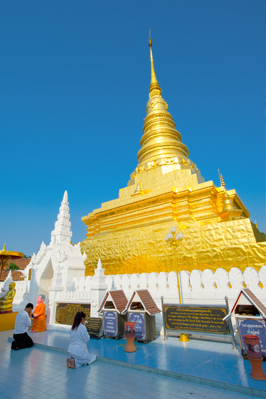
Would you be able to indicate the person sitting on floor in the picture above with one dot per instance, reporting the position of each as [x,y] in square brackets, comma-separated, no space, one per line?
[39,322]
[77,348]
[22,323]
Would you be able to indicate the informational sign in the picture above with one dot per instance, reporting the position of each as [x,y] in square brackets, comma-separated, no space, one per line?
[196,318]
[94,326]
[66,312]
[252,327]
[110,324]
[138,318]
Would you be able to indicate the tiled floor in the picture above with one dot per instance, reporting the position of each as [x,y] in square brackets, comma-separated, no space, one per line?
[42,374]
[196,358]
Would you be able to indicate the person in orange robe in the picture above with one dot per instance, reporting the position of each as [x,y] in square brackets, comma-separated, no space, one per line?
[39,322]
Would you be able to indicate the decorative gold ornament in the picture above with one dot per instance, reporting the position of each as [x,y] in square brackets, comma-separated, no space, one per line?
[221,179]
[184,338]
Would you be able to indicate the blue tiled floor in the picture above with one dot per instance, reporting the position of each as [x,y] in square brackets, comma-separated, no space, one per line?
[42,374]
[202,359]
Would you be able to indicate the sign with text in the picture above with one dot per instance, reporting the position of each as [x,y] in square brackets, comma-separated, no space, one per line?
[110,324]
[252,327]
[66,312]
[138,318]
[195,318]
[94,326]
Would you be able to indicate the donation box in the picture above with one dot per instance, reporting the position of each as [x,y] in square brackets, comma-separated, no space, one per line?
[250,316]
[112,305]
[141,310]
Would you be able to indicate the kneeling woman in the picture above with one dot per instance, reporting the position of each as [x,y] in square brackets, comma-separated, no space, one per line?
[77,348]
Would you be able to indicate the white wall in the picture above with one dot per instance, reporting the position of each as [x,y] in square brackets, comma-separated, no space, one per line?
[197,287]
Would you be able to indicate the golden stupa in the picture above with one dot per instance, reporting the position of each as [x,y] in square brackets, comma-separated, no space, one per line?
[166,189]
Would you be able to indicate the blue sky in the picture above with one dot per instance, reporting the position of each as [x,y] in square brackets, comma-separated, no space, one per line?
[74,78]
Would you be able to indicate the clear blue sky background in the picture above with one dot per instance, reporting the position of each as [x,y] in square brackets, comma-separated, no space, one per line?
[74,78]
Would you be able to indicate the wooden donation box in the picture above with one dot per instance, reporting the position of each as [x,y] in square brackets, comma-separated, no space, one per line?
[112,306]
[141,309]
[65,312]
[250,316]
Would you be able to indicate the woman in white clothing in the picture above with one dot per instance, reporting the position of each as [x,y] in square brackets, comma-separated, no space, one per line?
[77,348]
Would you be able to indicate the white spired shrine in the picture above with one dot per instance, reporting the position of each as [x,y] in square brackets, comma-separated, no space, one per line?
[58,272]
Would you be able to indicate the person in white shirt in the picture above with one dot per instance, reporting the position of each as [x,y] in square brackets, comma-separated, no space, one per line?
[22,323]
[77,348]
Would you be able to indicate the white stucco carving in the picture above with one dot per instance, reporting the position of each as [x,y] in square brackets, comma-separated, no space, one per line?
[126,282]
[54,267]
[153,281]
[118,282]
[62,233]
[143,280]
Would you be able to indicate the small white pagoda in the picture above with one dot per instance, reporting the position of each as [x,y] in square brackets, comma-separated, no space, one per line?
[54,266]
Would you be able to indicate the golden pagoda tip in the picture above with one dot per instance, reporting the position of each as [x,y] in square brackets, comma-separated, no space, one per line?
[150,42]
[155,89]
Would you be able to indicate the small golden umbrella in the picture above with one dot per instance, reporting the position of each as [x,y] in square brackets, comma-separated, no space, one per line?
[5,257]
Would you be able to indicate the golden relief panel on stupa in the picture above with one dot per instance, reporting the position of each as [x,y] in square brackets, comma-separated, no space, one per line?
[144,250]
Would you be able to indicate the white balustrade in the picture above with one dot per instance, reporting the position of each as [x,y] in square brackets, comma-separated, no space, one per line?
[207,287]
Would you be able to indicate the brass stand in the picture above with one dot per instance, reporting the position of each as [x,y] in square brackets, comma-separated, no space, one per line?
[184,338]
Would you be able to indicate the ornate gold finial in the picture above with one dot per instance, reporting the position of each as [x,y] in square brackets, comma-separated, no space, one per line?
[256,224]
[138,189]
[230,211]
[4,248]
[155,89]
[221,179]
[228,204]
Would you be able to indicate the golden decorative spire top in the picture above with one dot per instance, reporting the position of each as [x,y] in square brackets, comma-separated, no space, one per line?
[160,140]
[155,89]
[221,179]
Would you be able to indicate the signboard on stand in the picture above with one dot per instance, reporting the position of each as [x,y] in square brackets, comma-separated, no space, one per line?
[65,312]
[196,318]
[94,327]
[110,324]
[138,318]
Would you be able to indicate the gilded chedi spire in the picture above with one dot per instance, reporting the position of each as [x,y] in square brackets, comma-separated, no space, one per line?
[160,138]
[155,89]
